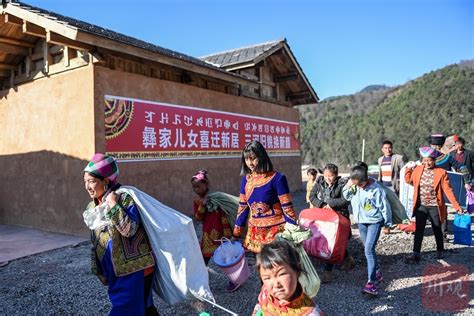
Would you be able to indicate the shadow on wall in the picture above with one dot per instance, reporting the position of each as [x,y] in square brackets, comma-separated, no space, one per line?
[43,190]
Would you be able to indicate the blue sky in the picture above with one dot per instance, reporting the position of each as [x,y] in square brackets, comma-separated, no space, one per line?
[342,45]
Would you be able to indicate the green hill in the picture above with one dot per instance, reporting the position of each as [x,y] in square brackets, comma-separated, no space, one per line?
[440,101]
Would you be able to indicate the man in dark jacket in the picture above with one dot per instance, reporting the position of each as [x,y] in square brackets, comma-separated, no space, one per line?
[448,163]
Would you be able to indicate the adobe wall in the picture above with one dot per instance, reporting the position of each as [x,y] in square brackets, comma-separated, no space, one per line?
[46,138]
[169,181]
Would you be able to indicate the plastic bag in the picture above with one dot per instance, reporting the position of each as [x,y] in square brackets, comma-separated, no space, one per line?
[180,269]
[226,202]
[309,279]
[462,229]
[331,231]
[228,252]
[470,201]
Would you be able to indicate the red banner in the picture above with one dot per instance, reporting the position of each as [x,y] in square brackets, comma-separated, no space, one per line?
[145,130]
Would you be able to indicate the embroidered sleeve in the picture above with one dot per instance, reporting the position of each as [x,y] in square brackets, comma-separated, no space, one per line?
[243,210]
[125,216]
[199,210]
[285,200]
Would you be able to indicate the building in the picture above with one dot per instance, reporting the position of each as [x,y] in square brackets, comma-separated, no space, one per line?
[70,89]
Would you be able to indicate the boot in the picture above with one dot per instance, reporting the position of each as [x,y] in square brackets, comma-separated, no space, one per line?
[349,263]
[413,258]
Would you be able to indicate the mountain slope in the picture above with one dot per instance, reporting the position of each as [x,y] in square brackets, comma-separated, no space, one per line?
[440,101]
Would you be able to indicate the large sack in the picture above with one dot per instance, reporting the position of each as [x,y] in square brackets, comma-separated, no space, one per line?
[330,231]
[408,228]
[180,270]
[309,279]
[226,202]
[399,215]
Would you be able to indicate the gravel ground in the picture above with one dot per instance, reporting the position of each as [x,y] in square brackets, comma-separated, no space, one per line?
[59,282]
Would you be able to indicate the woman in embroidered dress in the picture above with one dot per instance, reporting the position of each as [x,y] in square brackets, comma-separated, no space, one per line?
[279,266]
[215,224]
[265,202]
[121,254]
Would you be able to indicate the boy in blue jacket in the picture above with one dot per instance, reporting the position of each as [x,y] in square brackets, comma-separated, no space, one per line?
[371,211]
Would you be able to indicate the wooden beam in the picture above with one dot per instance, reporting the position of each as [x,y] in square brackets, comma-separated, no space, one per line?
[286,77]
[299,95]
[46,57]
[32,29]
[66,56]
[15,42]
[28,63]
[33,17]
[12,78]
[122,48]
[8,18]
[7,66]
[13,49]
[57,39]
[5,73]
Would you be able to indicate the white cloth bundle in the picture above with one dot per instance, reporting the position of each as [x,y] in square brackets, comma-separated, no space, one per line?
[180,269]
[95,217]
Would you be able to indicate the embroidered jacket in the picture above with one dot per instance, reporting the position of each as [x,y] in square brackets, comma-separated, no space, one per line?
[265,201]
[300,306]
[125,238]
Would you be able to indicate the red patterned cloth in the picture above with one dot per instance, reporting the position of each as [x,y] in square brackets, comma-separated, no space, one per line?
[427,190]
[214,226]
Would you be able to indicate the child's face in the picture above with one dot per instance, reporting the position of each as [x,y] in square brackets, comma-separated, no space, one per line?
[280,281]
[200,188]
[329,177]
[251,161]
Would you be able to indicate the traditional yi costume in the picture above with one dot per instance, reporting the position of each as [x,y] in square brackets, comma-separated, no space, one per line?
[120,248]
[265,204]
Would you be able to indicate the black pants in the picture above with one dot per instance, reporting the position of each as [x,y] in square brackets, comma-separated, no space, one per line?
[444,226]
[422,214]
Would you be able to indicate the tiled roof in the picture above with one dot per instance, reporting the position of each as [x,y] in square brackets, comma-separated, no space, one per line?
[240,55]
[100,31]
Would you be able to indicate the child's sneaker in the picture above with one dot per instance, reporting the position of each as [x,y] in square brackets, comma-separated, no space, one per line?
[378,276]
[370,288]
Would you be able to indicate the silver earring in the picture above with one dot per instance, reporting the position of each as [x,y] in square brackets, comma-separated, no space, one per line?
[105,187]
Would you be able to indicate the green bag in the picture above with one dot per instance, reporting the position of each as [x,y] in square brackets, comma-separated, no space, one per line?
[399,214]
[309,279]
[226,202]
